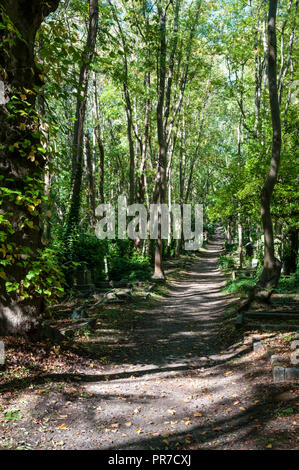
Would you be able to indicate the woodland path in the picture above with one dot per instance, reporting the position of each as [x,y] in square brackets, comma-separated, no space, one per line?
[170,384]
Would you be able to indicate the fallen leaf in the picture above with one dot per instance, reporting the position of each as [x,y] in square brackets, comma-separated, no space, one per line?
[62,426]
[197,414]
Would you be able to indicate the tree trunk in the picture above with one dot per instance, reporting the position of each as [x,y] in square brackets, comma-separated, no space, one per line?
[90,180]
[77,159]
[271,272]
[129,111]
[20,221]
[272,266]
[102,166]
[160,189]
[240,241]
[129,115]
[97,137]
[141,182]
[228,233]
[240,228]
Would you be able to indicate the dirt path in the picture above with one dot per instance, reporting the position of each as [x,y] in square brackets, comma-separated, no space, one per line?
[170,385]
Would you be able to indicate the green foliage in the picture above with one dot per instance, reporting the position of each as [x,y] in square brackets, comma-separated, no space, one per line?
[289,284]
[81,250]
[210,227]
[285,412]
[89,250]
[44,276]
[229,247]
[241,285]
[227,262]
[222,66]
[84,250]
[126,263]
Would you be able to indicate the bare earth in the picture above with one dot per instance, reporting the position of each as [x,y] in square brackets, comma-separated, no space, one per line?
[169,385]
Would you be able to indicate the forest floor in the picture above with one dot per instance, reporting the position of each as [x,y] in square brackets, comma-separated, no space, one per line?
[166,374]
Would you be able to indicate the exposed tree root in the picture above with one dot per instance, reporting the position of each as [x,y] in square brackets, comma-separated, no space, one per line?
[261,293]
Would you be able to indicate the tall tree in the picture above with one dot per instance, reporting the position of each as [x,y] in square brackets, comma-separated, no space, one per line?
[272,266]
[77,158]
[160,190]
[21,163]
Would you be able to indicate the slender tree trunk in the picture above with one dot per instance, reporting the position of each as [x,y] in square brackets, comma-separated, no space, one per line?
[195,155]
[182,171]
[46,207]
[160,191]
[239,223]
[142,182]
[240,240]
[229,233]
[129,111]
[46,232]
[129,114]
[90,179]
[272,266]
[102,166]
[97,137]
[20,223]
[77,159]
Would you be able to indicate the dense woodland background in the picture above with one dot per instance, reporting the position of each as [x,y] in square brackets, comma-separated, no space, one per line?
[159,101]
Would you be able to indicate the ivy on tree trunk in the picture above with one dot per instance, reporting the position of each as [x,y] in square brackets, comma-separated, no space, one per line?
[22,163]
